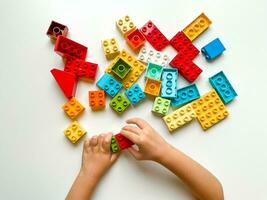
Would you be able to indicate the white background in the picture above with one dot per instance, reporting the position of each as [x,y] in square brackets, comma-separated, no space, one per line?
[38,162]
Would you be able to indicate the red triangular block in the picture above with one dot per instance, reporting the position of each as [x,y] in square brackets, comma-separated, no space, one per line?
[66,81]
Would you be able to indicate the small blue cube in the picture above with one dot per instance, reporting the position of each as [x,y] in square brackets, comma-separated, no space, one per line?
[135,94]
[109,84]
[213,49]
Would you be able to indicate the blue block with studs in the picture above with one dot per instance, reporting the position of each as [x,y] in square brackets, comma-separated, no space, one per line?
[135,94]
[213,49]
[169,83]
[109,84]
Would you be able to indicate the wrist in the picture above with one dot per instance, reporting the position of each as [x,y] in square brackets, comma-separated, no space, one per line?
[164,153]
[88,177]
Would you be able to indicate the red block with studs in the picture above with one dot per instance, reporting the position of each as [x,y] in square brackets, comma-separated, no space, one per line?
[55,29]
[154,36]
[66,47]
[123,142]
[97,100]
[135,39]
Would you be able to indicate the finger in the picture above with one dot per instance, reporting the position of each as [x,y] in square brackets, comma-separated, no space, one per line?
[132,129]
[131,136]
[138,121]
[106,142]
[93,141]
[101,141]
[135,153]
[115,156]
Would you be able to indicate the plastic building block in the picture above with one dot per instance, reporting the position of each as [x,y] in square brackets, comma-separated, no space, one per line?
[109,84]
[125,25]
[74,132]
[114,146]
[55,29]
[152,87]
[119,103]
[66,81]
[161,106]
[97,100]
[73,108]
[135,94]
[213,49]
[179,117]
[185,95]
[123,142]
[82,69]
[223,87]
[121,68]
[169,83]
[148,55]
[66,47]
[154,71]
[154,36]
[135,40]
[209,109]
[111,48]
[196,27]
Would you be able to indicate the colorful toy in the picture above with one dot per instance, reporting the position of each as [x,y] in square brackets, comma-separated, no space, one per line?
[161,106]
[152,87]
[179,117]
[119,103]
[148,55]
[197,26]
[135,94]
[66,81]
[209,109]
[125,25]
[154,36]
[123,142]
[169,83]
[135,40]
[223,87]
[109,84]
[213,49]
[73,108]
[121,68]
[97,100]
[74,132]
[55,29]
[111,48]
[185,95]
[114,146]
[154,71]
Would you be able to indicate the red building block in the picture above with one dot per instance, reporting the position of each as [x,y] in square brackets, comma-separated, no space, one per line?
[66,47]
[135,40]
[123,142]
[55,29]
[66,81]
[154,36]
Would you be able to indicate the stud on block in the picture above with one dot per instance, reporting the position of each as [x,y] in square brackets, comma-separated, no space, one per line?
[97,100]
[213,49]
[55,29]
[125,25]
[114,145]
[149,55]
[154,71]
[135,40]
[111,48]
[73,108]
[119,103]
[74,132]
[121,68]
[152,87]
[135,94]
[161,106]
[123,142]
[169,83]
[109,84]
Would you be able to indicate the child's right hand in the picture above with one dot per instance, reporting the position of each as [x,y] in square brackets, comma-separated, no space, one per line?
[151,146]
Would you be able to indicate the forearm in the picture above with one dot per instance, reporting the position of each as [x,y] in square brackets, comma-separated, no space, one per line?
[203,184]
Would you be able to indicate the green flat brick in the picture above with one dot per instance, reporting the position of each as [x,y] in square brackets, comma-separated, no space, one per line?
[119,103]
[121,68]
[114,145]
[154,71]
[161,106]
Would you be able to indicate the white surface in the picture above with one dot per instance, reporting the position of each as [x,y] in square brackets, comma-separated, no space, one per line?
[37,162]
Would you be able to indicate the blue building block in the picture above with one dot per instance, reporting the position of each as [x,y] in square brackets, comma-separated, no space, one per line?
[213,49]
[135,94]
[169,83]
[109,84]
[223,87]
[154,71]
[185,95]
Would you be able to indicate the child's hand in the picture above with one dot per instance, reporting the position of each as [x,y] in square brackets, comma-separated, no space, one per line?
[151,146]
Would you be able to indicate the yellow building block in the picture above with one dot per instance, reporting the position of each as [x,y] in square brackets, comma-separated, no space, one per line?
[209,109]
[74,132]
[111,48]
[125,25]
[196,27]
[73,108]
[179,117]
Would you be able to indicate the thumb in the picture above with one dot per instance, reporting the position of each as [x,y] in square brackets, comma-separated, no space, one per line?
[135,153]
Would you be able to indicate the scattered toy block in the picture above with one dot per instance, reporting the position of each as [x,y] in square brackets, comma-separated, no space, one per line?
[169,83]
[109,84]
[197,26]
[114,146]
[123,142]
[161,106]
[111,48]
[135,94]
[154,71]
[185,95]
[152,87]
[148,55]
[223,87]
[135,40]
[125,25]
[97,100]
[55,29]
[74,132]
[120,67]
[73,108]
[179,117]
[213,49]
[119,103]
[154,36]
[66,81]
[66,47]
[209,109]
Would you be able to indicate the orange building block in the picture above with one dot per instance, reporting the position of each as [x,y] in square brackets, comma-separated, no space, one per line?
[97,100]
[73,108]
[152,87]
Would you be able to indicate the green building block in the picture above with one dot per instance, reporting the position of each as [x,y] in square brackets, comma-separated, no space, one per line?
[154,71]
[161,106]
[119,103]
[121,68]
[114,145]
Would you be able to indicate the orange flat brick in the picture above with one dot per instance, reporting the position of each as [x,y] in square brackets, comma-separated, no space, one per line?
[97,100]
[73,108]
[152,87]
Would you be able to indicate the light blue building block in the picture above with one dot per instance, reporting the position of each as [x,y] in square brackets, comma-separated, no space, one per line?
[109,84]
[213,49]
[154,71]
[169,83]
[223,87]
[185,95]
[135,94]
